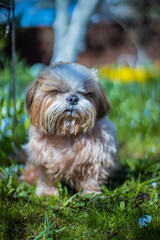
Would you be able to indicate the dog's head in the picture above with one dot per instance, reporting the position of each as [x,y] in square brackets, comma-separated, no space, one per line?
[65,99]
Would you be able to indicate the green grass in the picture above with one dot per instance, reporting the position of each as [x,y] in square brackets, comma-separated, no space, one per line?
[127,197]
[114,216]
[136,113]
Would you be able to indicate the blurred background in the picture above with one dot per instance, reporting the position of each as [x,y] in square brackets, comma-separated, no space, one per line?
[113,28]
[118,37]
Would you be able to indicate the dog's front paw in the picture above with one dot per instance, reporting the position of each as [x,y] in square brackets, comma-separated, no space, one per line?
[86,192]
[44,190]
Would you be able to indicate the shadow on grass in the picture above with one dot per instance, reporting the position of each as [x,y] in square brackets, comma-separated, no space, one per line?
[132,169]
[147,233]
[15,221]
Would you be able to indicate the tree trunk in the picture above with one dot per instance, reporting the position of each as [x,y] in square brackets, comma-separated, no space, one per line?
[142,56]
[60,25]
[70,36]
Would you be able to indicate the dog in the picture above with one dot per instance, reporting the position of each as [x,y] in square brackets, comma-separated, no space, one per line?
[71,139]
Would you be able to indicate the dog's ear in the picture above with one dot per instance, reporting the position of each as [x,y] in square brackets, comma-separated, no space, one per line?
[103,106]
[103,103]
[30,95]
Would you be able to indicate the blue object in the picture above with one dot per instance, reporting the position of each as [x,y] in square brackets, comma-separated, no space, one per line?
[143,221]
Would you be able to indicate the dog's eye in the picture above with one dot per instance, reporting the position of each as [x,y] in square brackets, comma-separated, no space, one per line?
[89,94]
[55,91]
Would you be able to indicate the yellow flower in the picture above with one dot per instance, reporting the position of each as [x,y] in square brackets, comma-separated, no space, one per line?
[125,74]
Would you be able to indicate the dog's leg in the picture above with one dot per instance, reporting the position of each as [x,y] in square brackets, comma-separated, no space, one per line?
[89,186]
[46,185]
[43,189]
[30,174]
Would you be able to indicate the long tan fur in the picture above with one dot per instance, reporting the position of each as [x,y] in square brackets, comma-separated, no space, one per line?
[73,143]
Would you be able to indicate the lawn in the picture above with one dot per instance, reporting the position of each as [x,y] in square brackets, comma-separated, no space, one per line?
[130,206]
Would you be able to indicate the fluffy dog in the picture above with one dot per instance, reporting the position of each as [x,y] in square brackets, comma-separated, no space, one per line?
[70,140]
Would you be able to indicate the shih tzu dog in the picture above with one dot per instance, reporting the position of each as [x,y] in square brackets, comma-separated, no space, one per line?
[70,140]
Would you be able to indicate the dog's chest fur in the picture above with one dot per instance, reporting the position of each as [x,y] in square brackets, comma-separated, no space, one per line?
[66,157]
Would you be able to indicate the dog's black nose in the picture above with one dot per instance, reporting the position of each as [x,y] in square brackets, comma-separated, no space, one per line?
[72,99]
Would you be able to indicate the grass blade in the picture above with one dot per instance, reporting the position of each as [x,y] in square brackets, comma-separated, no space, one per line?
[144,184]
[44,232]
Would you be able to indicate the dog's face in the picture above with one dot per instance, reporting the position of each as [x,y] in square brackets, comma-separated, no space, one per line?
[66,99]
